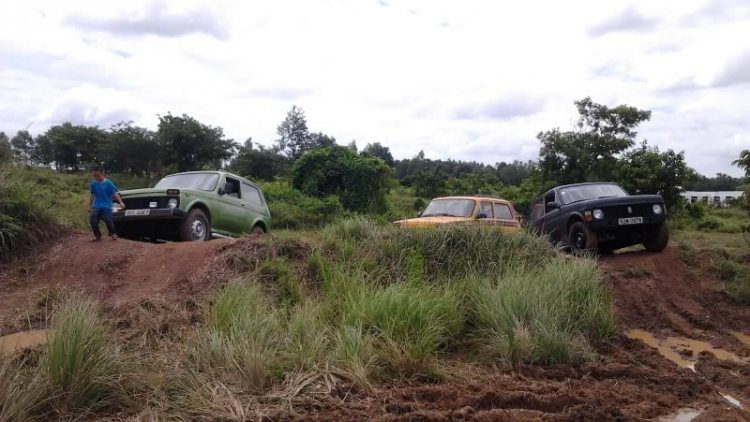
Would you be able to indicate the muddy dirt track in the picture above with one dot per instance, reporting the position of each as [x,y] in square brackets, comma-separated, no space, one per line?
[657,293]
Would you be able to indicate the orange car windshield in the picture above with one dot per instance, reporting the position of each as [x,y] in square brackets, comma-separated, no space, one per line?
[449,208]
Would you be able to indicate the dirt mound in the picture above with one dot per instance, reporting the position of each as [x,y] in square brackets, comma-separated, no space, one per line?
[632,381]
[116,272]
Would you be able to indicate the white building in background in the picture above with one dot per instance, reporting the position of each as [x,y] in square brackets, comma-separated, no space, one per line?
[723,198]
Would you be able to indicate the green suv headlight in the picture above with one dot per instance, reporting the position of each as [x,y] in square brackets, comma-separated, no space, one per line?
[173,202]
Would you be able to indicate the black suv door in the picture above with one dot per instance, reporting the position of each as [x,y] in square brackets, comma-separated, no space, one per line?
[553,217]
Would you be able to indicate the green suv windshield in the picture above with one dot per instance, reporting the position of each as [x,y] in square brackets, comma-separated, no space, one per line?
[199,181]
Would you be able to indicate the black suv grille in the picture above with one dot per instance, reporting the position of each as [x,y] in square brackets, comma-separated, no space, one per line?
[141,203]
[621,211]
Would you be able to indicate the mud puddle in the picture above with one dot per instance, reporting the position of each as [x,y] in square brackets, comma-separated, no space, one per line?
[682,415]
[742,337]
[12,342]
[681,350]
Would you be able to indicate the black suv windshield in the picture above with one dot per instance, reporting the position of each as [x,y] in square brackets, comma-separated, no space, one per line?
[199,181]
[449,208]
[573,194]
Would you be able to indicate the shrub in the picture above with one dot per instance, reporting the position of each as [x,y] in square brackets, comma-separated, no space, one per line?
[360,181]
[291,209]
[24,218]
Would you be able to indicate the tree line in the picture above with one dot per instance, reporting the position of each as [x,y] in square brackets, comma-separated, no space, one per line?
[601,146]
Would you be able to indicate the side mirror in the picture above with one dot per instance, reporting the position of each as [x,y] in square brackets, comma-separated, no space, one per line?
[221,191]
[481,215]
[553,205]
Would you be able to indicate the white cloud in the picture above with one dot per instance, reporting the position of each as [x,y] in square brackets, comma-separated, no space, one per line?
[630,19]
[91,105]
[395,72]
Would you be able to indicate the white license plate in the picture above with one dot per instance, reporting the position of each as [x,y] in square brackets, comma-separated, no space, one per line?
[633,220]
[128,213]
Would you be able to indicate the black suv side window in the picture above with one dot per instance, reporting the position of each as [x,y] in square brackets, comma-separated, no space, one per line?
[550,197]
[251,194]
[232,187]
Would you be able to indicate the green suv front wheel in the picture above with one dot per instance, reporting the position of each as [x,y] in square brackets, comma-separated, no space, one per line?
[196,226]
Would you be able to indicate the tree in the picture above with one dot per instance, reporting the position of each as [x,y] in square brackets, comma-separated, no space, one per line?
[23,145]
[646,170]
[294,137]
[132,149]
[720,182]
[43,153]
[379,151]
[429,183]
[188,144]
[74,147]
[361,182]
[261,163]
[743,162]
[321,140]
[514,173]
[6,151]
[589,153]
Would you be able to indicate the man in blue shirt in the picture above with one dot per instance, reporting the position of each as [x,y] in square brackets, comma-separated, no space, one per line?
[102,192]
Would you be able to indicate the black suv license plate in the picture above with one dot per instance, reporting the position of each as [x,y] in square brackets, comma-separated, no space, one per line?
[628,221]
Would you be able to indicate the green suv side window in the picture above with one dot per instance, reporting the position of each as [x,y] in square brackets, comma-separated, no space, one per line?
[251,194]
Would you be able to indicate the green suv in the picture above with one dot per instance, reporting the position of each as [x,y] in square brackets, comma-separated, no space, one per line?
[193,206]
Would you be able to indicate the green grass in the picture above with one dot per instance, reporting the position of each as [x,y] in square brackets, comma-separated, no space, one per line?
[724,256]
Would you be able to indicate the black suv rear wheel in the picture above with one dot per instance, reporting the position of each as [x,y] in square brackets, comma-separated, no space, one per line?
[581,239]
[659,240]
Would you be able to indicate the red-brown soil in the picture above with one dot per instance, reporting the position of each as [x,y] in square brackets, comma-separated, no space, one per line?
[630,382]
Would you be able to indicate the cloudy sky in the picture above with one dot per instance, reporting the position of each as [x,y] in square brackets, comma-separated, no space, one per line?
[471,79]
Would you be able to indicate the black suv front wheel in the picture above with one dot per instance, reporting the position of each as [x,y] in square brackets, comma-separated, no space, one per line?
[582,240]
[195,226]
[659,240]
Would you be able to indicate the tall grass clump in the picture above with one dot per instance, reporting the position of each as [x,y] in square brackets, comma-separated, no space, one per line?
[548,316]
[354,354]
[411,323]
[21,390]
[307,337]
[242,339]
[446,251]
[81,367]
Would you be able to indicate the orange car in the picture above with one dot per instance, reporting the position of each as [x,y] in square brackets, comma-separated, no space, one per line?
[453,209]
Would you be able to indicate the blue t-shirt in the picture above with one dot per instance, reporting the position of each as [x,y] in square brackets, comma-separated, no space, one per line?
[103,192]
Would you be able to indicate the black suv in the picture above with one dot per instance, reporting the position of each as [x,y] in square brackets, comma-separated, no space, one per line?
[599,218]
